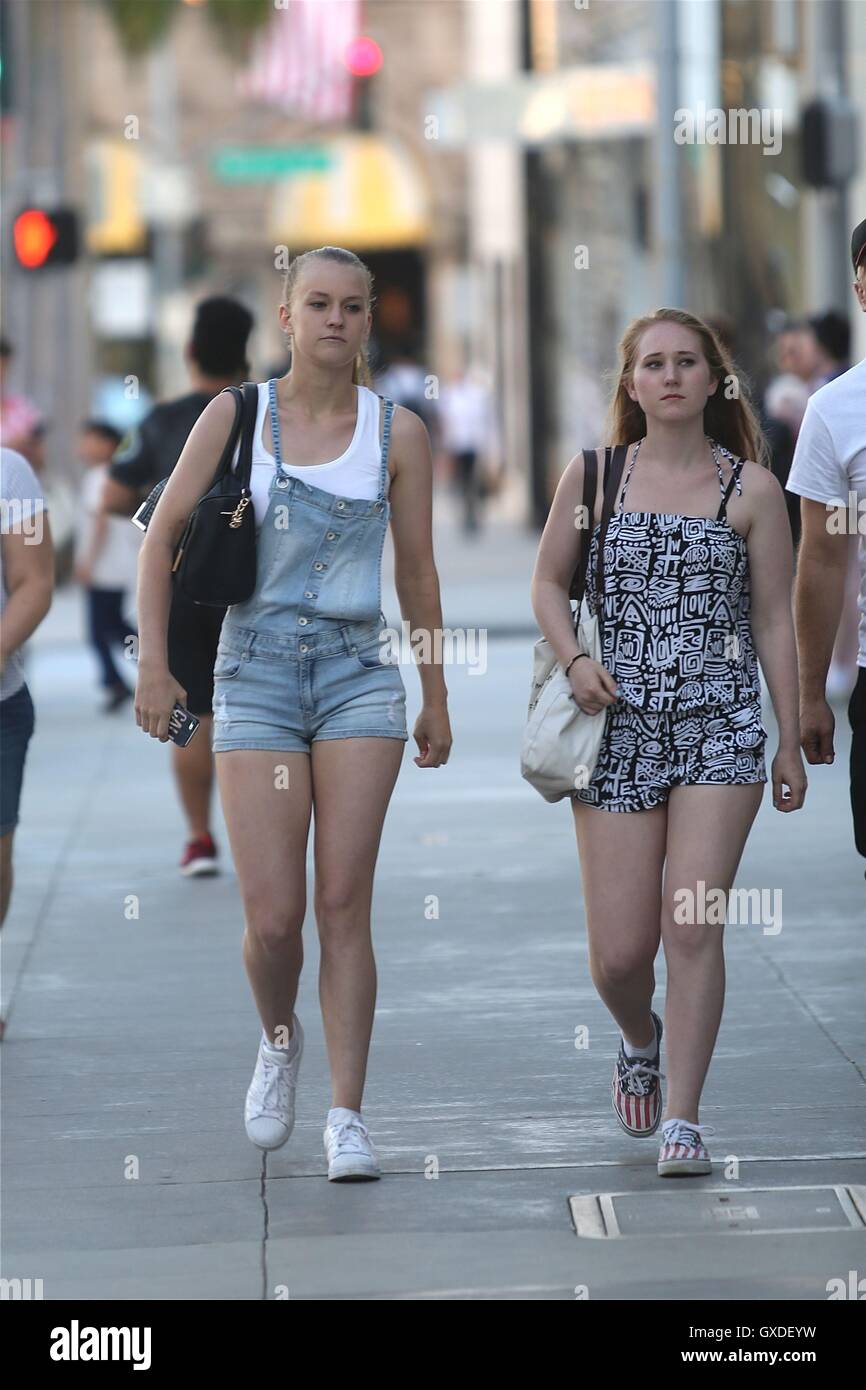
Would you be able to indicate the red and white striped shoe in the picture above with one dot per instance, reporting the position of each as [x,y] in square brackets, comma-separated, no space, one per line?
[682,1150]
[636,1089]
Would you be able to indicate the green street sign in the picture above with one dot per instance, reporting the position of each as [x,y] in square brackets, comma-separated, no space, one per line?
[261,163]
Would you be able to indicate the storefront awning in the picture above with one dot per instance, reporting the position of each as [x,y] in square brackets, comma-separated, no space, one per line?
[115,225]
[371,196]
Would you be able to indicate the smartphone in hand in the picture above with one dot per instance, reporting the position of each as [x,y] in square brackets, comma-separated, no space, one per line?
[182,725]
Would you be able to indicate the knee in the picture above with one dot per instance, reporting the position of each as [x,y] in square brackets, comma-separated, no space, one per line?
[686,936]
[274,926]
[340,914]
[613,969]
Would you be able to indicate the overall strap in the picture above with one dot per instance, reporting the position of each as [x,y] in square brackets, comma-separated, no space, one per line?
[386,440]
[275,423]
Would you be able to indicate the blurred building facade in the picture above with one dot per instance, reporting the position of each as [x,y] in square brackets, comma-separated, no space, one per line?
[508,173]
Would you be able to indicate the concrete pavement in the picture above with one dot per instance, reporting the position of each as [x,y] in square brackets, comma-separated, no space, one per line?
[131,1040]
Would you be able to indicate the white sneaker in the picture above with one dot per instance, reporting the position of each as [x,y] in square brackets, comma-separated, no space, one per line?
[269,1112]
[351,1157]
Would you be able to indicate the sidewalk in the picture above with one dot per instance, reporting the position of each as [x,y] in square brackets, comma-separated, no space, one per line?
[132,1033]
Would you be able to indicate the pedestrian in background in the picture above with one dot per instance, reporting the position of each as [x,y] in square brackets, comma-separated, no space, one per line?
[216,357]
[26,592]
[697,586]
[106,560]
[467,432]
[829,472]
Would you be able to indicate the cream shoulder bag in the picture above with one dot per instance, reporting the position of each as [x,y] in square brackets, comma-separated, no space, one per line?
[561,743]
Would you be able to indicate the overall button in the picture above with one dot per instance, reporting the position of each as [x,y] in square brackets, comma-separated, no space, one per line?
[378,507]
[308,593]
[341,504]
[318,565]
[331,536]
[282,482]
[302,621]
[303,647]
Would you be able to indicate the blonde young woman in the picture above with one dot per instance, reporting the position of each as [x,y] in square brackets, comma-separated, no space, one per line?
[307,713]
[697,587]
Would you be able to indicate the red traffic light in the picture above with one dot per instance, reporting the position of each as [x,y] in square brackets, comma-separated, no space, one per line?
[44,238]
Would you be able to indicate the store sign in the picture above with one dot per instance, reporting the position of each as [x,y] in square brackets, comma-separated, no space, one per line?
[266,163]
[579,103]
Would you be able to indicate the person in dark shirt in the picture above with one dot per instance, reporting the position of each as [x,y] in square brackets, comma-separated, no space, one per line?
[216,357]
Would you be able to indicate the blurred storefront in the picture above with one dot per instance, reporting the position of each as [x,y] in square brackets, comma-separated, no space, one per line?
[507,168]
[610,216]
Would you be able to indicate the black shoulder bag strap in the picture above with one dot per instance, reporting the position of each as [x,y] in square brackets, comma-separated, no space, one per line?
[590,479]
[249,415]
[246,399]
[614,462]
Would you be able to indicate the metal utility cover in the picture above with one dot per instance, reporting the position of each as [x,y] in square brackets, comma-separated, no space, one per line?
[730,1210]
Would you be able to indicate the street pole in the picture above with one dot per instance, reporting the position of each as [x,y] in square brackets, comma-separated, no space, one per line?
[668,197]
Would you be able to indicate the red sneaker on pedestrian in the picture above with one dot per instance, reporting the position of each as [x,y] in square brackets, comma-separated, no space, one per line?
[200,856]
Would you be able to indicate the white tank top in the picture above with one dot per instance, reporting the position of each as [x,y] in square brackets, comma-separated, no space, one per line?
[354,474]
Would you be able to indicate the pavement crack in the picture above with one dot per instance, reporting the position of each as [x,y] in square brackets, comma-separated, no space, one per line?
[809,1011]
[264,1196]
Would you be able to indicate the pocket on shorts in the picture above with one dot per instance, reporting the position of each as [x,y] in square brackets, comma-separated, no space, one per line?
[372,655]
[227,665]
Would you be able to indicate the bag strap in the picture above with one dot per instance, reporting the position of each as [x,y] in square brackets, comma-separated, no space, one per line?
[225,463]
[614,462]
[590,479]
[249,414]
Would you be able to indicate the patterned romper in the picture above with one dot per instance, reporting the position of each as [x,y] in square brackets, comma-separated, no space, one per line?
[677,638]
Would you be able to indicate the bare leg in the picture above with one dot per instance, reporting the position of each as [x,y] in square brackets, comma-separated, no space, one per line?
[621,858]
[5,873]
[194,773]
[707,829]
[268,825]
[5,887]
[353,779]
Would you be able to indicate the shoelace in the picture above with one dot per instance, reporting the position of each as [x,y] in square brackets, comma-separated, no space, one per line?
[679,1132]
[275,1089]
[347,1135]
[632,1081]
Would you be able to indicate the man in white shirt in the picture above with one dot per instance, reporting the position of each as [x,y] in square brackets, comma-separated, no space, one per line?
[829,474]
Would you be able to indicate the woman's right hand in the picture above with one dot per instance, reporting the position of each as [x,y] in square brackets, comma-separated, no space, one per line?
[156,693]
[592,685]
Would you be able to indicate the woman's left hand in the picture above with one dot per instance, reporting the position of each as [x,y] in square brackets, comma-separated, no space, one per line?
[432,733]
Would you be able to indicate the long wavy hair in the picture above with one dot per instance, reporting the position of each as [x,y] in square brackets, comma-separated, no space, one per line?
[729,415]
[360,367]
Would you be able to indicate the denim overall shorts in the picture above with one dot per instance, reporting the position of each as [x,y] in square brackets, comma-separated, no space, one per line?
[302,658]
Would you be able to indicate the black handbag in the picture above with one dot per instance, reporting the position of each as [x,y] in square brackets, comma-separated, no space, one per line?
[215,560]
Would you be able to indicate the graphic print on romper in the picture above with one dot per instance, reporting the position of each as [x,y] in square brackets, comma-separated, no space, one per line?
[677,606]
[677,637]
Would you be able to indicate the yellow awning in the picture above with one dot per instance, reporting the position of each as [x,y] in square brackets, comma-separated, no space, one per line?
[373,196]
[115,225]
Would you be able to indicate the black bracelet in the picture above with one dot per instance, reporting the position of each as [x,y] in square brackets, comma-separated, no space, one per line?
[573,660]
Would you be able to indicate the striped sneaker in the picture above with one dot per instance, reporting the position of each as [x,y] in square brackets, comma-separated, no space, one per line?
[636,1089]
[682,1150]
